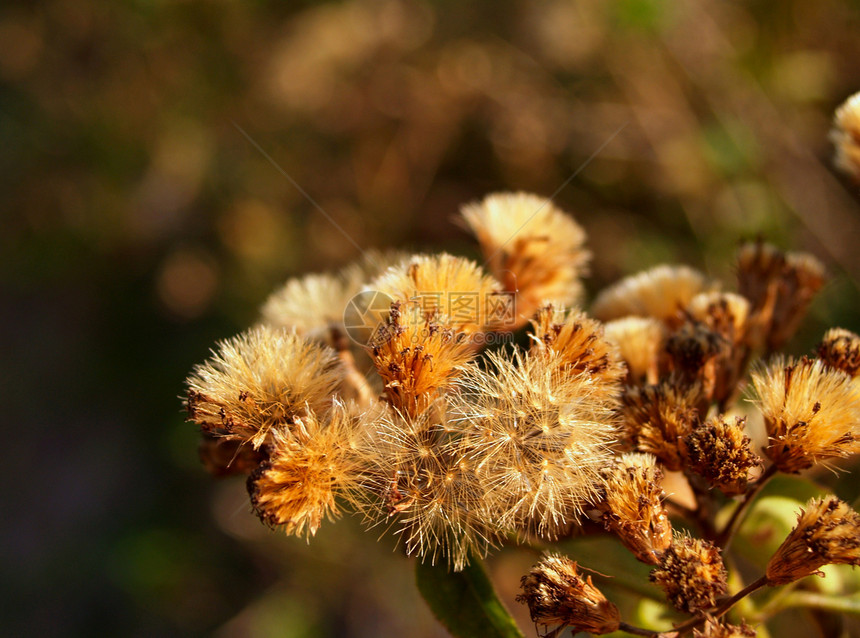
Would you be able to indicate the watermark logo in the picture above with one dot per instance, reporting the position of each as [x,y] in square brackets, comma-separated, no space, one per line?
[364,312]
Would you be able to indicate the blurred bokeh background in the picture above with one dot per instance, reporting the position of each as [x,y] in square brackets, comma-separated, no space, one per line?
[142,221]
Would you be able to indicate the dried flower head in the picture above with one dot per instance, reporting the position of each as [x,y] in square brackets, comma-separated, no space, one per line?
[532,247]
[659,292]
[557,595]
[416,356]
[431,494]
[444,285]
[262,380]
[226,455]
[716,629]
[314,305]
[691,574]
[811,412]
[655,418]
[538,437]
[305,471]
[724,312]
[845,136]
[779,286]
[840,349]
[575,342]
[639,341]
[827,533]
[693,353]
[720,452]
[631,500]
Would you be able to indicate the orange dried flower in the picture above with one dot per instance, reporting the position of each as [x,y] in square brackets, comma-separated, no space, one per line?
[845,136]
[691,574]
[840,349]
[720,452]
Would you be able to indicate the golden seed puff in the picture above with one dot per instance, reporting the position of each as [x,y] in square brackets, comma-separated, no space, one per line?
[631,501]
[716,629]
[639,341]
[691,574]
[227,455]
[262,380]
[557,595]
[305,471]
[659,293]
[779,286]
[811,412]
[535,249]
[416,356]
[428,489]
[827,533]
[655,418]
[840,349]
[304,474]
[723,312]
[720,452]
[845,136]
[538,438]
[576,342]
[313,305]
[446,286]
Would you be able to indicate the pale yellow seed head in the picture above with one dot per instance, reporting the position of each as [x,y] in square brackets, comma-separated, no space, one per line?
[532,247]
[262,380]
[639,341]
[845,136]
[659,292]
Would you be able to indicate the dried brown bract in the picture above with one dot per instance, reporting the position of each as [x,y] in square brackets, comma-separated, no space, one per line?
[840,349]
[659,292]
[226,455]
[536,250]
[262,380]
[639,341]
[416,356]
[720,452]
[845,136]
[691,574]
[655,418]
[558,596]
[576,342]
[716,629]
[811,412]
[827,533]
[631,500]
[779,286]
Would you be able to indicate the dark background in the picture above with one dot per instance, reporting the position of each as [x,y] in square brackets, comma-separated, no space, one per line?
[140,225]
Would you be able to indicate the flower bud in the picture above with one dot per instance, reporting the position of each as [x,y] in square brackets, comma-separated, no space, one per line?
[720,452]
[691,574]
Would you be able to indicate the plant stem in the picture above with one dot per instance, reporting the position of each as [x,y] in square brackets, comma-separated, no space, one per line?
[725,537]
[636,631]
[841,604]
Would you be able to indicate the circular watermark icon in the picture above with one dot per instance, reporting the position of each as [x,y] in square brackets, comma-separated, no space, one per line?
[363,314]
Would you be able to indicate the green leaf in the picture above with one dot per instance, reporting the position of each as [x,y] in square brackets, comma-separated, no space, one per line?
[465,602]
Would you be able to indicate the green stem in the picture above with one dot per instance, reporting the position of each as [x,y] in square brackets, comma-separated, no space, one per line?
[839,604]
[724,538]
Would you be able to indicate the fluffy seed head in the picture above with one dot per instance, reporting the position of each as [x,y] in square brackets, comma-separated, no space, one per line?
[538,437]
[532,247]
[659,292]
[576,343]
[691,574]
[306,471]
[845,136]
[259,381]
[720,452]
[639,341]
[557,595]
[827,533]
[416,356]
[314,304]
[840,349]
[811,412]
[631,500]
[430,491]
[779,286]
[656,417]
[444,285]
